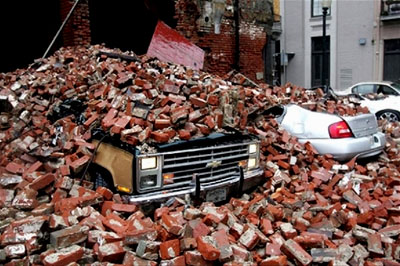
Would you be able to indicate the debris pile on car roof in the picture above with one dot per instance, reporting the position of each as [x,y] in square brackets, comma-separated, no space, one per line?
[311,209]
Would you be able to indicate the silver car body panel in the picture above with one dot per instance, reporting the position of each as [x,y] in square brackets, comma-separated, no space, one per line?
[362,125]
[309,126]
[306,124]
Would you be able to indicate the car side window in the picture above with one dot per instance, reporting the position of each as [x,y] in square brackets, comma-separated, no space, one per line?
[386,90]
[364,89]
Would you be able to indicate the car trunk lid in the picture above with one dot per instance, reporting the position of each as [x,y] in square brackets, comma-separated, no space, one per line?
[362,125]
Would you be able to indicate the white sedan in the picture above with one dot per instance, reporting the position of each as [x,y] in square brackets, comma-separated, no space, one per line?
[383,107]
[363,88]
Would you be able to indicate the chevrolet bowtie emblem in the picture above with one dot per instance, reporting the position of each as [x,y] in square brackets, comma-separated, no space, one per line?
[213,164]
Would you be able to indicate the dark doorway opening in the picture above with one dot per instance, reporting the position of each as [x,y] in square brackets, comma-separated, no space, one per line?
[316,61]
[128,25]
[391,61]
[27,28]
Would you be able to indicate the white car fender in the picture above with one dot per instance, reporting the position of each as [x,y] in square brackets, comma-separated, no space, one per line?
[374,106]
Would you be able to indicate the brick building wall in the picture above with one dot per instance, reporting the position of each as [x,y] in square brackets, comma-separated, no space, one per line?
[77,30]
[195,21]
[252,41]
[220,48]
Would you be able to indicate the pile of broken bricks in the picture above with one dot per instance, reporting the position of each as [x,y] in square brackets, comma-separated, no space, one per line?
[310,209]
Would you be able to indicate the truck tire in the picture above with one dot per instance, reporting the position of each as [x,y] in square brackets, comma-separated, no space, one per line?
[101,178]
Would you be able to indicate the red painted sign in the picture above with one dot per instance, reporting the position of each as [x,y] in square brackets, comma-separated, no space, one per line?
[168,45]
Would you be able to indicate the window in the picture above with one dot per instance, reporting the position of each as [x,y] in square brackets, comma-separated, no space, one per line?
[364,89]
[317,69]
[386,90]
[316,8]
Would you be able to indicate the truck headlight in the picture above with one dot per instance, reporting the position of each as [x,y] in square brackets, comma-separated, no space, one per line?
[148,163]
[253,148]
[252,163]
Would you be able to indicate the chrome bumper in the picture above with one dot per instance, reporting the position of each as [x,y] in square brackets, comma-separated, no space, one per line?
[251,179]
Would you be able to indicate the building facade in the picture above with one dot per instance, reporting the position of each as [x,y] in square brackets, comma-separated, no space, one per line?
[357,32]
[387,39]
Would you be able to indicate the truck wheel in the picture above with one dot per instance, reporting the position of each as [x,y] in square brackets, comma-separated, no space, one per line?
[389,115]
[101,177]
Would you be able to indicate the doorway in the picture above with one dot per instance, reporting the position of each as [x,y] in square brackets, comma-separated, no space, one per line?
[316,61]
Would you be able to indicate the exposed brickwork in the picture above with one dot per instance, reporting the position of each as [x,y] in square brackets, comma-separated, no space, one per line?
[220,48]
[252,41]
[77,30]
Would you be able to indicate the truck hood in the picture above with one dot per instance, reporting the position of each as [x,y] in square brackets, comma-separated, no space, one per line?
[210,140]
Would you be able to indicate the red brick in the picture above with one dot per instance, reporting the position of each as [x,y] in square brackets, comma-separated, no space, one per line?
[92,118]
[198,101]
[194,258]
[274,261]
[105,192]
[119,207]
[249,239]
[171,224]
[111,252]
[273,249]
[209,121]
[69,236]
[184,134]
[42,181]
[80,163]
[213,99]
[162,123]
[34,167]
[64,256]
[14,168]
[64,169]
[206,245]
[170,249]
[130,259]
[115,223]
[222,240]
[178,261]
[294,250]
[160,137]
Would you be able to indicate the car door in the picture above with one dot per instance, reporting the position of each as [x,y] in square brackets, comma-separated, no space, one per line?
[363,89]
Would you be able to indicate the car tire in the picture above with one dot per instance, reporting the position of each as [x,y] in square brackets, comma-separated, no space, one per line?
[389,115]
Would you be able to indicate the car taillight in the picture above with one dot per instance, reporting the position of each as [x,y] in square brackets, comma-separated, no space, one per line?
[340,130]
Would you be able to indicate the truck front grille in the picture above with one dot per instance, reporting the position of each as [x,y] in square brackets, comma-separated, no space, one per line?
[212,164]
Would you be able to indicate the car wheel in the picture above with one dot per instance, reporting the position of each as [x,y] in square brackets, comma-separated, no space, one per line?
[389,115]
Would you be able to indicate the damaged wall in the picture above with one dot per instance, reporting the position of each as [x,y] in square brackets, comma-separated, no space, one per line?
[77,30]
[210,24]
[198,21]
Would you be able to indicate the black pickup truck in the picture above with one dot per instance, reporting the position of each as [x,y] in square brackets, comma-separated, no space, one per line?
[209,168]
